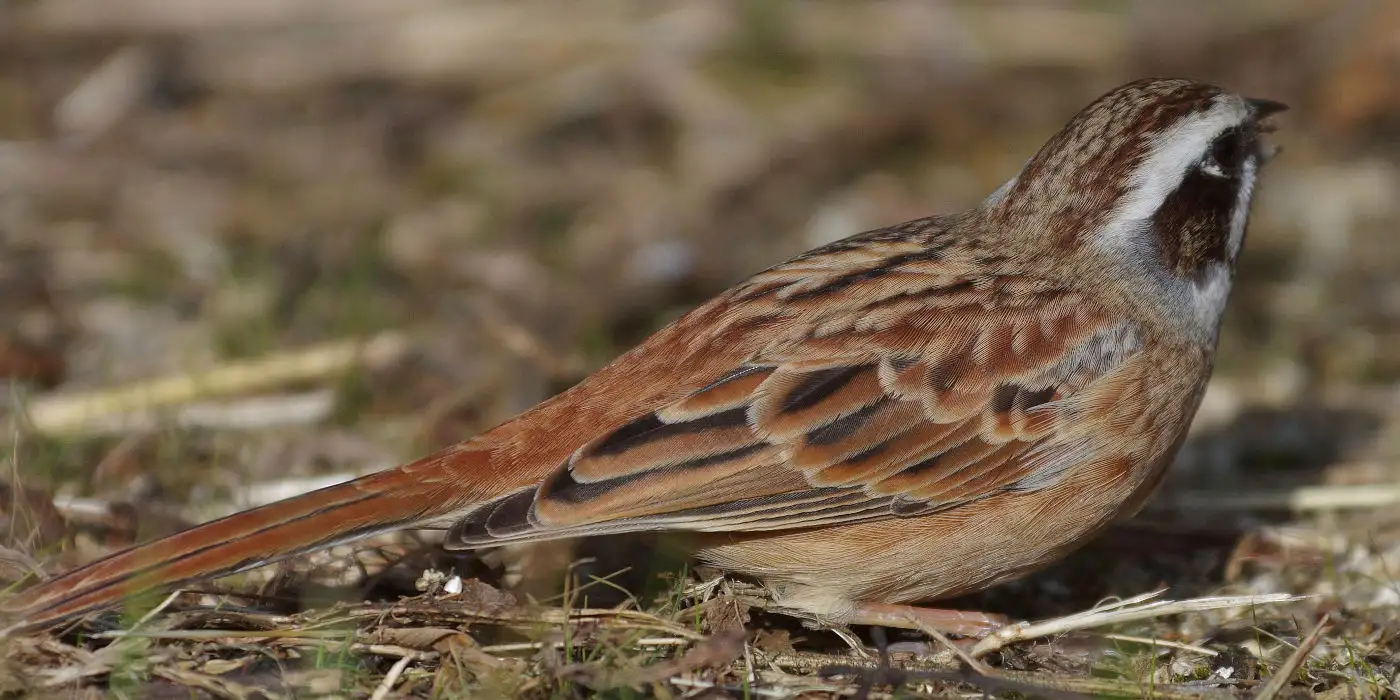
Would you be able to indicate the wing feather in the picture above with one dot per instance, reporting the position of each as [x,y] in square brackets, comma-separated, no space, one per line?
[912,398]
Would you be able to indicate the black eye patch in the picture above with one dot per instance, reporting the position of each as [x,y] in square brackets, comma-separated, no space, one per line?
[1193,224]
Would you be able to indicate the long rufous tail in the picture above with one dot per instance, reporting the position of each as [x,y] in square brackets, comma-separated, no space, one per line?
[416,494]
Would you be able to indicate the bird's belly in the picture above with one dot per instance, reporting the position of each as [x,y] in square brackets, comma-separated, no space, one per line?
[941,555]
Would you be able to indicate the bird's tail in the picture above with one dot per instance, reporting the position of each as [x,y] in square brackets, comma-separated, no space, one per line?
[431,489]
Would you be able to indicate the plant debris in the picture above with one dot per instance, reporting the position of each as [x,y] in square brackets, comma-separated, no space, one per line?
[257,248]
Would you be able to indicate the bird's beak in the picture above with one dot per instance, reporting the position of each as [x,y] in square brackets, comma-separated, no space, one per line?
[1263,109]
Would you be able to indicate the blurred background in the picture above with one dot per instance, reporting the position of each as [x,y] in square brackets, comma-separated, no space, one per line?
[249,246]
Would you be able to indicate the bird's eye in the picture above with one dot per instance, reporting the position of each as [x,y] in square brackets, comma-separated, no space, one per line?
[1226,155]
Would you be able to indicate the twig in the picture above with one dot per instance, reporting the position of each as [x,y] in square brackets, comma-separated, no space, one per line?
[1139,598]
[972,663]
[157,609]
[260,411]
[1300,500]
[387,684]
[83,510]
[1119,613]
[445,609]
[1054,686]
[705,589]
[105,95]
[852,641]
[1162,643]
[210,635]
[395,650]
[1280,679]
[68,414]
[737,689]
[536,646]
[256,413]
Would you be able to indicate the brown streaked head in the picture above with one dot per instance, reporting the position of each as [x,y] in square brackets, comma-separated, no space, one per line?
[1150,184]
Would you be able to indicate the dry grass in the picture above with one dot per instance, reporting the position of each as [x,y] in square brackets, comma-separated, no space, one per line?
[252,247]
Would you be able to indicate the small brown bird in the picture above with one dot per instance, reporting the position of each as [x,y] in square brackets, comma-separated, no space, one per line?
[904,415]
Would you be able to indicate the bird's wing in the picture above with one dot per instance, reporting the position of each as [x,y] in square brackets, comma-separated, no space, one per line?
[904,386]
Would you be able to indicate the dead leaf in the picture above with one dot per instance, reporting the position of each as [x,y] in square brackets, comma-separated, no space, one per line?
[774,641]
[714,652]
[725,614]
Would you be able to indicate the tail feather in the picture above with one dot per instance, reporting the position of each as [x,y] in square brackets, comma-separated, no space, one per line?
[394,499]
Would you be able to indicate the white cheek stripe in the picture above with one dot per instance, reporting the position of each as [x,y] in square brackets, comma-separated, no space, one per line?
[1240,217]
[1208,297]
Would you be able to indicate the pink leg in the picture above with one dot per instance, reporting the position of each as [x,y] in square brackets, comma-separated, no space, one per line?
[966,623]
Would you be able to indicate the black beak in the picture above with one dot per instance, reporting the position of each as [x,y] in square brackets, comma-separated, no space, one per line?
[1264,108]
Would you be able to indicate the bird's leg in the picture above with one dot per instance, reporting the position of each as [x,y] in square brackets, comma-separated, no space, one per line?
[882,615]
[912,617]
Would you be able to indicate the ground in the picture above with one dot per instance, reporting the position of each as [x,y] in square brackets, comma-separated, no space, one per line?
[251,249]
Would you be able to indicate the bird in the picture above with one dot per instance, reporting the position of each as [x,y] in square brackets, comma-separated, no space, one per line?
[908,414]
